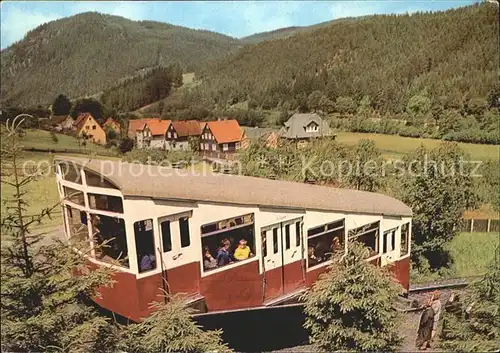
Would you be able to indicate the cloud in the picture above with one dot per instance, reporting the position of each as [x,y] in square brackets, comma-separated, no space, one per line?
[18,22]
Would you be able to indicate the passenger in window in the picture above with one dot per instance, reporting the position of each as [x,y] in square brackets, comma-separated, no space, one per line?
[208,260]
[336,246]
[223,256]
[243,251]
[322,250]
[147,262]
[311,257]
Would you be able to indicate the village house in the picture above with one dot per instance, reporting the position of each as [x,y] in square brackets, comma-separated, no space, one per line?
[152,134]
[135,127]
[88,127]
[111,123]
[181,131]
[221,136]
[304,127]
[61,123]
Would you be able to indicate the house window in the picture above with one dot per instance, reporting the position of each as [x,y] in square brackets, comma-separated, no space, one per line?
[145,245]
[71,172]
[214,147]
[367,235]
[75,196]
[224,147]
[202,146]
[166,236]
[405,239]
[287,237]
[93,127]
[175,135]
[78,231]
[184,231]
[237,145]
[206,146]
[312,128]
[227,241]
[324,241]
[87,127]
[169,134]
[109,234]
[106,203]
[297,233]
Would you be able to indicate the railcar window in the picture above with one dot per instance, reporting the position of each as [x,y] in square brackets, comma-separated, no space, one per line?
[325,241]
[405,236]
[106,203]
[75,196]
[367,235]
[287,237]
[393,240]
[97,180]
[263,235]
[275,240]
[389,246]
[166,236]
[110,237]
[145,245]
[184,230]
[297,233]
[70,172]
[77,223]
[227,241]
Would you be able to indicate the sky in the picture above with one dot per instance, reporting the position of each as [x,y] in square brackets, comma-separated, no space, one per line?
[233,18]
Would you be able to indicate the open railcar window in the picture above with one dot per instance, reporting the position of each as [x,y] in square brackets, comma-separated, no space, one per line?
[324,241]
[145,245]
[109,232]
[367,235]
[78,230]
[70,172]
[389,241]
[227,241]
[75,196]
[405,239]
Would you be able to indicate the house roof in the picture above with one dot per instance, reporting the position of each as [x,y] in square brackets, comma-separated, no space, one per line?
[158,127]
[187,128]
[295,127]
[81,119]
[226,131]
[137,124]
[138,180]
[113,123]
[57,119]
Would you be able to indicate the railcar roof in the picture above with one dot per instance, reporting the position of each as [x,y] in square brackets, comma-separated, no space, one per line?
[140,180]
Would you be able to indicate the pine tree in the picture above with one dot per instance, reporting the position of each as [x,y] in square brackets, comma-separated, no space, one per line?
[170,329]
[479,330]
[350,307]
[44,306]
[61,105]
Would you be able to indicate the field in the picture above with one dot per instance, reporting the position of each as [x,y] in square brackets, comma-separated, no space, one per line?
[43,140]
[470,253]
[394,146]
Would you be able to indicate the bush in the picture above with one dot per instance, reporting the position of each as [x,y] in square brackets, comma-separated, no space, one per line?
[350,307]
[126,145]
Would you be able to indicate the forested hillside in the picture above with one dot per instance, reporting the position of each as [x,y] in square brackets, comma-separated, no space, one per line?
[418,68]
[87,53]
[452,55]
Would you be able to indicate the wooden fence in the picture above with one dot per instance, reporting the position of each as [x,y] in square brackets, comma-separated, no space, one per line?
[480,225]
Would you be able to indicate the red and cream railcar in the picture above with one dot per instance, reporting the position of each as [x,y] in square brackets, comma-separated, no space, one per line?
[161,222]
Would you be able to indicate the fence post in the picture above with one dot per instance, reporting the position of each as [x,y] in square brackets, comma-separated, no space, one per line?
[488,226]
[472,225]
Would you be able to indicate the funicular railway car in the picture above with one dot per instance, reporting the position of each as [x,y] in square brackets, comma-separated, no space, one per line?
[180,231]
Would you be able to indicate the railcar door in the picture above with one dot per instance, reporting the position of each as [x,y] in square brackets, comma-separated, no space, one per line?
[177,254]
[282,256]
